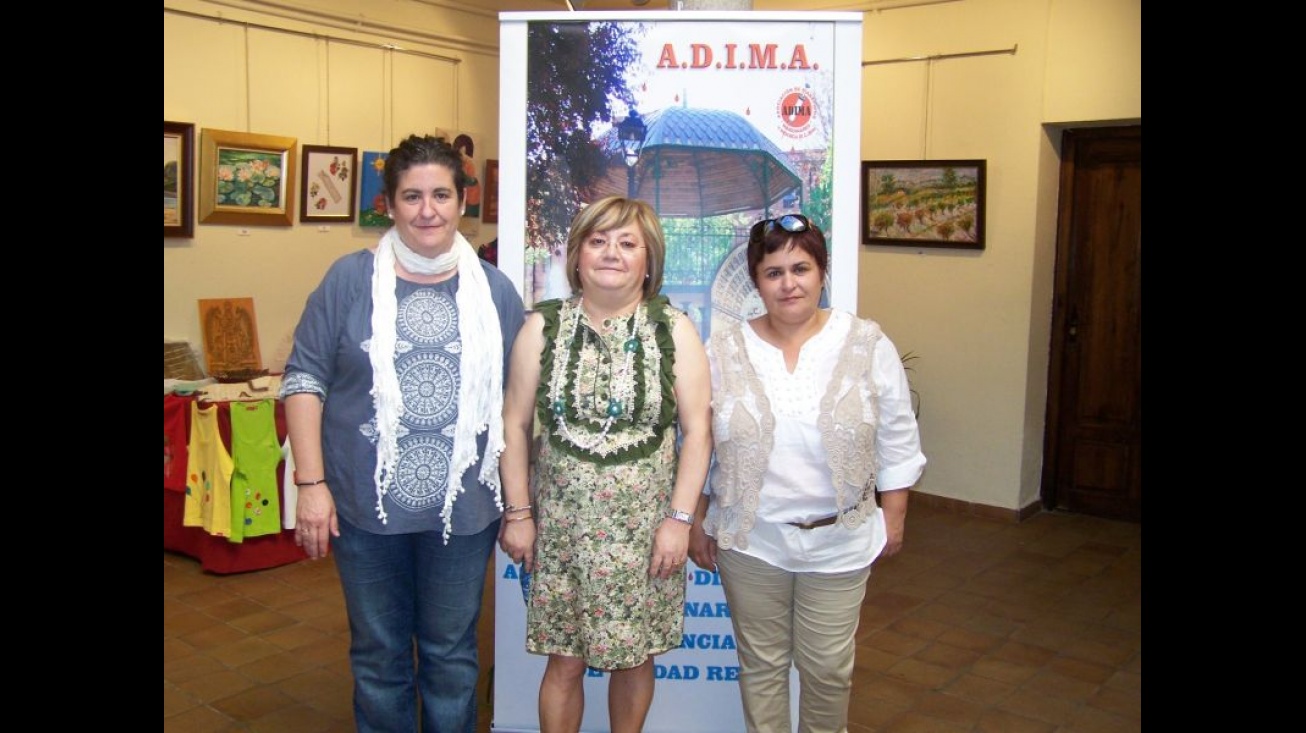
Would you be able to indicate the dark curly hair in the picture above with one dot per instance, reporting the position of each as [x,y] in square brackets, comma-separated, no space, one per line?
[767,237]
[422,150]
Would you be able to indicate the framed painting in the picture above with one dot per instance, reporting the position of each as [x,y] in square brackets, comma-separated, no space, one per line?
[327,186]
[490,210]
[246,178]
[466,147]
[923,203]
[178,174]
[371,197]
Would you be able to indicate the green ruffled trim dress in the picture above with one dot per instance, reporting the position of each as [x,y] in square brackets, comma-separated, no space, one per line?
[598,501]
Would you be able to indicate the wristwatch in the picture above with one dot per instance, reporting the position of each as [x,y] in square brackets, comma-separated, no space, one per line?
[680,516]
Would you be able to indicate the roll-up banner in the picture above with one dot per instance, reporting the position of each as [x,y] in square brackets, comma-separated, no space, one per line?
[717,119]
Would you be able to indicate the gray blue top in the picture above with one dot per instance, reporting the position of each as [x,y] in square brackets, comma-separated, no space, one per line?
[330,359]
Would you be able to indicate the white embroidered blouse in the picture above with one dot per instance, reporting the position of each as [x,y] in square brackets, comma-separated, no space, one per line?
[804,446]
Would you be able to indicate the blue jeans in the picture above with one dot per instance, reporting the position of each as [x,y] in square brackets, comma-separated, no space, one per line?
[405,590]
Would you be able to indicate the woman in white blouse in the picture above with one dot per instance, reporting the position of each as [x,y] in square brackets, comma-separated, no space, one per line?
[812,421]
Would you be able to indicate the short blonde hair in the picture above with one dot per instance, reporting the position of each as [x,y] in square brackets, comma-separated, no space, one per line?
[609,213]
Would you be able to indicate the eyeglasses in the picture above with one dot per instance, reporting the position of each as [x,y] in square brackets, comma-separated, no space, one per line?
[792,223]
[625,246]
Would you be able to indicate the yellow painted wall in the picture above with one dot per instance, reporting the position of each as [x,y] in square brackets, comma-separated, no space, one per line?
[980,321]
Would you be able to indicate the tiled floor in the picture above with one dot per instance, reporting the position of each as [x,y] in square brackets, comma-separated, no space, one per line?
[978,625]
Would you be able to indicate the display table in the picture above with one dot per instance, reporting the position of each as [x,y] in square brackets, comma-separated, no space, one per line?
[218,554]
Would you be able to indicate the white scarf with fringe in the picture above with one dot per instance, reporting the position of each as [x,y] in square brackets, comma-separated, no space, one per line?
[480,367]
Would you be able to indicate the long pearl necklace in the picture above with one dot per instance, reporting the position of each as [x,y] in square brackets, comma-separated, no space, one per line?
[621,382]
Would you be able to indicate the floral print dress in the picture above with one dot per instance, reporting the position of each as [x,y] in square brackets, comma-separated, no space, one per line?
[601,488]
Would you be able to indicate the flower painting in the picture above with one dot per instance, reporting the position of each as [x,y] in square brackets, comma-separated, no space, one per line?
[246,178]
[329,183]
[249,178]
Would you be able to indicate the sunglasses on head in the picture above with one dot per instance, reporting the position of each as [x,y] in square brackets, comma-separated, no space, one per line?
[792,223]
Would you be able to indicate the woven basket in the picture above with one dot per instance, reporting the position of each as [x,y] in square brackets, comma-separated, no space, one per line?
[180,362]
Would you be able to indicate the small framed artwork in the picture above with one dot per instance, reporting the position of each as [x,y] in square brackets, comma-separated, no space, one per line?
[466,147]
[490,212]
[246,178]
[178,173]
[372,209]
[470,223]
[327,186]
[923,203]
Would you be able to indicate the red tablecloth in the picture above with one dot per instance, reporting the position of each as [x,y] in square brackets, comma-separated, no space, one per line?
[217,554]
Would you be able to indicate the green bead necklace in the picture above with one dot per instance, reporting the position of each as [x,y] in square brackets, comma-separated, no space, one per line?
[621,381]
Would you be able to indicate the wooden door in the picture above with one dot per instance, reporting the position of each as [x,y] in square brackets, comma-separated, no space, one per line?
[1093,440]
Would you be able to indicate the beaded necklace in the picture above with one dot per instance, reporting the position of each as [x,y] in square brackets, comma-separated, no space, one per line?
[621,381]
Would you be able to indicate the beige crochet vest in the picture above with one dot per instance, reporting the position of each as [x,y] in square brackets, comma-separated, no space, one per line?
[849,414]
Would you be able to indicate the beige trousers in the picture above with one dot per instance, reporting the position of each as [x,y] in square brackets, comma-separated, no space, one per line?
[781,618]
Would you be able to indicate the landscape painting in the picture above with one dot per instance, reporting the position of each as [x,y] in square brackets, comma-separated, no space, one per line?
[925,203]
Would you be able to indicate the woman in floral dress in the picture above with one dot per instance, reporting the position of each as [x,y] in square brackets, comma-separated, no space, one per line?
[612,372]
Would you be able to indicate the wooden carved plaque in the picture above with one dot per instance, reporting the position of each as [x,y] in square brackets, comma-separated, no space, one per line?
[230,337]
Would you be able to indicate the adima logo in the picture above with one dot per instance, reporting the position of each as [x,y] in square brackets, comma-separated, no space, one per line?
[795,110]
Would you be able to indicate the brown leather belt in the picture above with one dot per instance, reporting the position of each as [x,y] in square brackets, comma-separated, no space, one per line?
[825,522]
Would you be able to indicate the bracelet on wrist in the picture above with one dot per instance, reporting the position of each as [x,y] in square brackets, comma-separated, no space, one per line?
[302,484]
[519,519]
[511,508]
